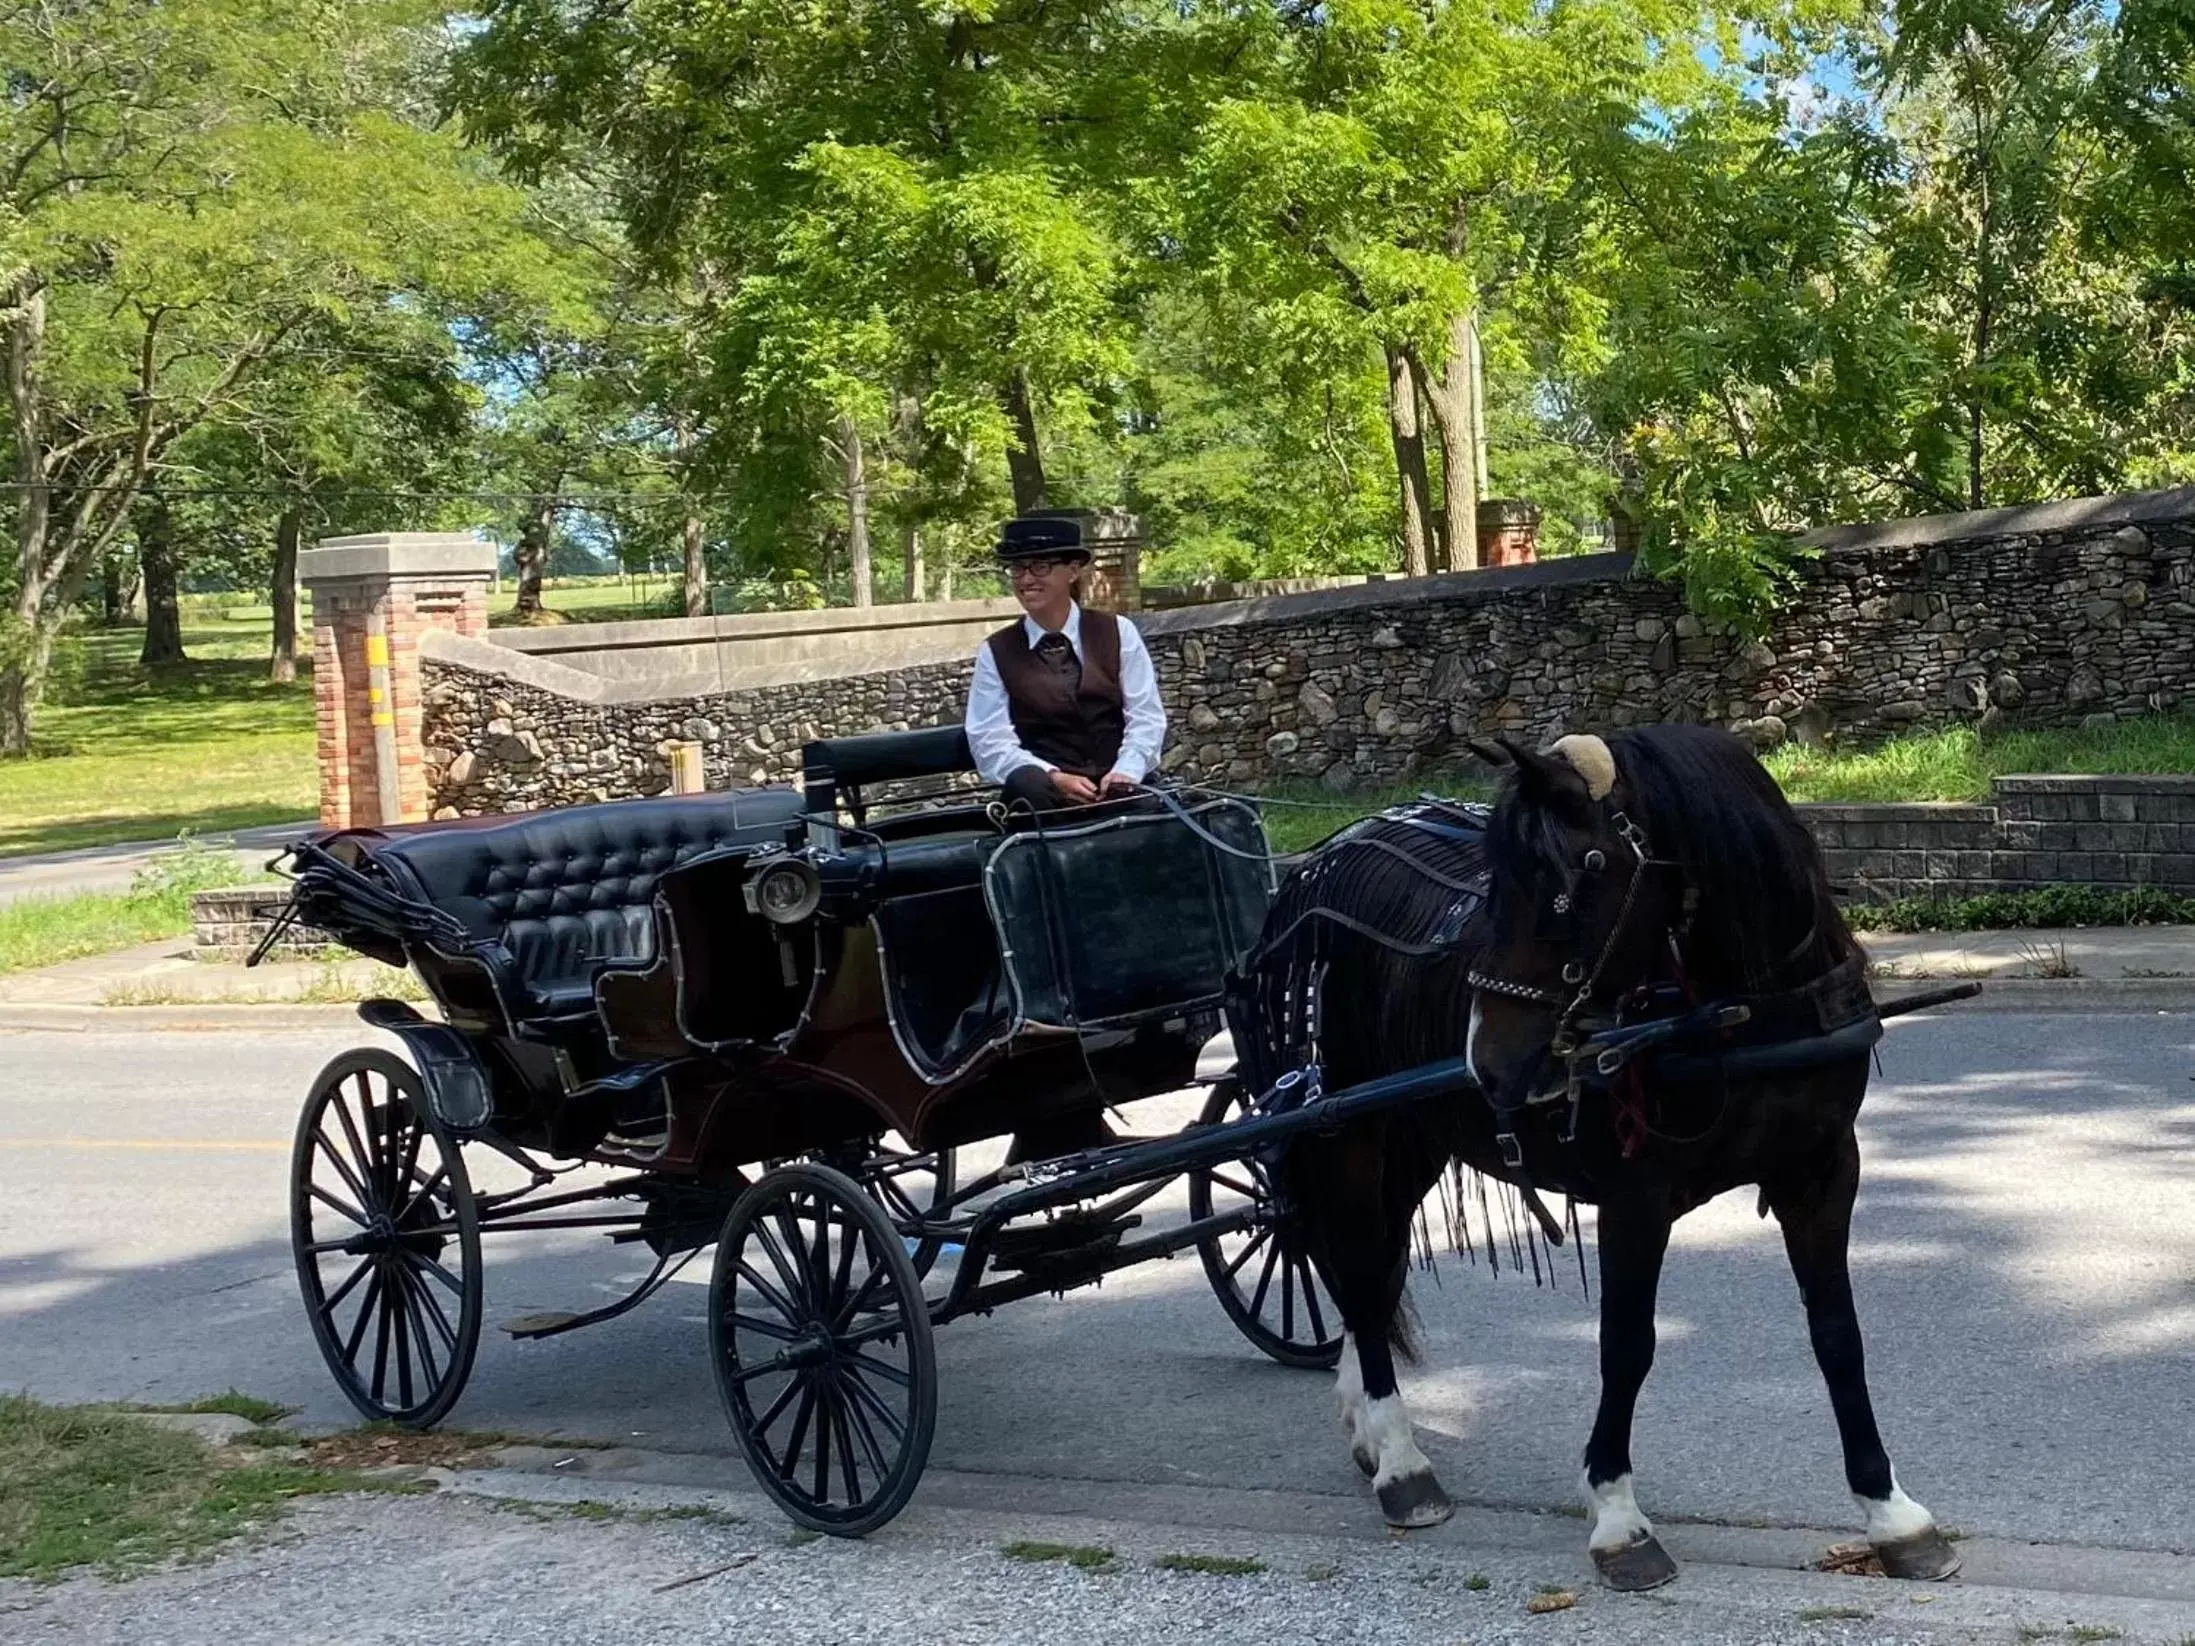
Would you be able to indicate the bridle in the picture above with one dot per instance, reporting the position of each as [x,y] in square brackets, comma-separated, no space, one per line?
[1576,973]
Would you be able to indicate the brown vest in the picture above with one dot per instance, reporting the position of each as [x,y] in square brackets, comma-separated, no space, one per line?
[1076,725]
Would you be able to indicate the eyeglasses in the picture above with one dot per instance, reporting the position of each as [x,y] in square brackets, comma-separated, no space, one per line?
[1038,565]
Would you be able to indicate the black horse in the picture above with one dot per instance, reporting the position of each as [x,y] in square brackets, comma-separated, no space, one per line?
[1628,878]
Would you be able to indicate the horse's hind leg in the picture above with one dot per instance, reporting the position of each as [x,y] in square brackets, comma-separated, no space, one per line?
[1634,1237]
[1817,1230]
[1382,1439]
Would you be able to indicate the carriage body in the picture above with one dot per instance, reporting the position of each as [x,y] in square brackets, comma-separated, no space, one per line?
[960,976]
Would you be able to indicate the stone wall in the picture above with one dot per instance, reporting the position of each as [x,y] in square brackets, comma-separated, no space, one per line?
[2049,614]
[2114,833]
[230,923]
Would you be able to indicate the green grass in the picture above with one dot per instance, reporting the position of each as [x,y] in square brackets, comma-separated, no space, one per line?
[1957,763]
[1084,1557]
[1834,1614]
[1211,1565]
[44,931]
[230,1403]
[145,754]
[101,1489]
[1477,1582]
[2045,907]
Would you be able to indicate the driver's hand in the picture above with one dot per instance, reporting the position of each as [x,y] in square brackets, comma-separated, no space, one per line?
[1117,783]
[1075,790]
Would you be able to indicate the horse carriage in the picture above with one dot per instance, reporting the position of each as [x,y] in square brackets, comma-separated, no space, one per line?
[771,1021]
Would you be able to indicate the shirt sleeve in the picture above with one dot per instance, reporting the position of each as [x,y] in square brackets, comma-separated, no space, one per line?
[1143,738]
[990,725]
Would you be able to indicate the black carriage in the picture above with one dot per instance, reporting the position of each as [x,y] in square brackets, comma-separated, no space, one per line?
[774,1016]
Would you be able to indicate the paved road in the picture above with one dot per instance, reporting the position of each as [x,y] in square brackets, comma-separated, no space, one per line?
[2025,1258]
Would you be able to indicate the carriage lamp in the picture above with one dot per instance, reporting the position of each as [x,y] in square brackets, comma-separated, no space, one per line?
[785,891]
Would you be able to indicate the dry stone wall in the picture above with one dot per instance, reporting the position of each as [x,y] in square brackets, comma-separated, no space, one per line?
[2053,614]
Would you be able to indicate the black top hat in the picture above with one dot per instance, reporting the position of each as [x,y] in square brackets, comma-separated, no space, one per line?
[1041,535]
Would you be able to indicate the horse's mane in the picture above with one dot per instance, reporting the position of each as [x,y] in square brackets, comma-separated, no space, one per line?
[1708,806]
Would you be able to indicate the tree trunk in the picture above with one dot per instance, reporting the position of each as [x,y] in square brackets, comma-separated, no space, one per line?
[697,567]
[855,459]
[1976,418]
[531,555]
[1450,397]
[1024,458]
[282,668]
[1402,423]
[911,548]
[23,641]
[156,554]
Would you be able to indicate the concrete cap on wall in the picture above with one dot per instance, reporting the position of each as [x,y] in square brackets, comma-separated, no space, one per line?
[396,554]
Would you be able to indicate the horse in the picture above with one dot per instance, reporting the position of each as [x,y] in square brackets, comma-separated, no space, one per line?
[1616,877]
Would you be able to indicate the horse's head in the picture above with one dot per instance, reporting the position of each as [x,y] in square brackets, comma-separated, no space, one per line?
[1579,915]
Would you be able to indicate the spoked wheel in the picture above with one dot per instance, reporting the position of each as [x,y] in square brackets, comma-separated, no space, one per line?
[822,1347]
[1262,1276]
[913,1189]
[387,1239]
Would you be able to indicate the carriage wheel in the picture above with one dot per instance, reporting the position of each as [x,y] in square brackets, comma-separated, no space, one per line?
[913,1189]
[821,1342]
[1263,1279]
[387,1240]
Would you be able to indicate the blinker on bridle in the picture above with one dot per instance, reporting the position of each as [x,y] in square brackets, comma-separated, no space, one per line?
[1575,973]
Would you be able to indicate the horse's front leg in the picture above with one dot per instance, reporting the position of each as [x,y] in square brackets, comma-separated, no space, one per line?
[1817,1232]
[1634,1237]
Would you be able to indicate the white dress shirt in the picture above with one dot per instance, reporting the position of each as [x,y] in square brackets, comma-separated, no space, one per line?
[990,722]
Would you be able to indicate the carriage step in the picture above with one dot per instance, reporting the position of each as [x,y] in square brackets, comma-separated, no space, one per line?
[547,1324]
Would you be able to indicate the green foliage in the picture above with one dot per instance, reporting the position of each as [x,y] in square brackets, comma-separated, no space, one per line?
[44,931]
[2044,906]
[1957,763]
[1082,1556]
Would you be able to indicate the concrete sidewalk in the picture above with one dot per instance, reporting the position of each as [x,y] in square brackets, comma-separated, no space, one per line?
[2097,953]
[112,868]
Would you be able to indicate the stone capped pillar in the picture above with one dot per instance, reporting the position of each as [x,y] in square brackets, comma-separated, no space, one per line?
[1509,532]
[372,598]
[1114,537]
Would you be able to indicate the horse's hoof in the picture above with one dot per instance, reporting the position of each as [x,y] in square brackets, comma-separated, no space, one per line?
[1925,1557]
[1414,1502]
[1636,1567]
[1365,1461]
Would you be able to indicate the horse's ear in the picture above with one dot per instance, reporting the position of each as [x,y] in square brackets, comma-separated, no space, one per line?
[1546,777]
[1495,754]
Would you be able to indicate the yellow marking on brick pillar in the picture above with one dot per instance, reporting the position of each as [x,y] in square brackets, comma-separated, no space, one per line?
[377,649]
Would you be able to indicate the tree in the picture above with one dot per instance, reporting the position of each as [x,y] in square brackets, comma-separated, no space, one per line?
[188,188]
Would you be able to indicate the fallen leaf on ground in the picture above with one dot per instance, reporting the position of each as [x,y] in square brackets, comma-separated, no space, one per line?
[1558,1600]
[1851,1560]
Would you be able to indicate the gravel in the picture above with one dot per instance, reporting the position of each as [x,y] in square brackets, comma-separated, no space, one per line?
[464,1570]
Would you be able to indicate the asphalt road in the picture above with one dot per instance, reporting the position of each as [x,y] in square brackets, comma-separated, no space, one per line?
[2025,1258]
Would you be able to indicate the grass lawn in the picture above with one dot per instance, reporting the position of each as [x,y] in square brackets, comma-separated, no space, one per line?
[1956,764]
[44,931]
[81,1487]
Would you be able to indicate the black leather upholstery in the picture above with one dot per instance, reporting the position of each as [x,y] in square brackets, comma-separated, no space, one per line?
[566,891]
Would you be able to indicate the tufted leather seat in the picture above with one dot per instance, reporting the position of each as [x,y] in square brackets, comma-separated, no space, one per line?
[565,892]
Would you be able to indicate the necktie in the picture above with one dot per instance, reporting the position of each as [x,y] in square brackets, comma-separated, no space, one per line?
[1056,653]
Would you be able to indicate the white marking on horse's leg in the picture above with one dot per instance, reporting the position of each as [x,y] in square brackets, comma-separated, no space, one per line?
[1402,1478]
[1617,1520]
[1349,1401]
[1471,1038]
[1895,1518]
[1388,1436]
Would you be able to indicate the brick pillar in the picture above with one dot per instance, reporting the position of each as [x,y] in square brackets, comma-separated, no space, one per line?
[1114,582]
[372,597]
[1509,532]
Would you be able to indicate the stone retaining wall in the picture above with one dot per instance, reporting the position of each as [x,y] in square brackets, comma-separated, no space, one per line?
[2113,833]
[228,924]
[2054,613]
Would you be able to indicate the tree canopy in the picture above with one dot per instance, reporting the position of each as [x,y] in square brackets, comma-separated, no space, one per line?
[803,298]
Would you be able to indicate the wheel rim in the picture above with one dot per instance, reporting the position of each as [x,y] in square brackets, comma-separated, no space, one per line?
[387,1241]
[823,1350]
[1261,1275]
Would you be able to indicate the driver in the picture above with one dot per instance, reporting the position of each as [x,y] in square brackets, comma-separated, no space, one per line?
[1064,707]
